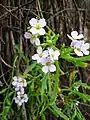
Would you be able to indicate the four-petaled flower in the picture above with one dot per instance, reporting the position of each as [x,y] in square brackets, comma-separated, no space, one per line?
[37,26]
[48,65]
[21,98]
[53,54]
[81,48]
[33,38]
[40,54]
[75,36]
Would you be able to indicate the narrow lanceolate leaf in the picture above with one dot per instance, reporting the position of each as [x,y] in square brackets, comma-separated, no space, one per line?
[3,91]
[58,111]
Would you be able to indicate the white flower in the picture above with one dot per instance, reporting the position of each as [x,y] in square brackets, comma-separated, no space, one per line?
[18,101]
[81,48]
[19,82]
[25,98]
[40,54]
[24,83]
[75,36]
[21,98]
[37,26]
[33,38]
[14,83]
[53,54]
[48,65]
[27,35]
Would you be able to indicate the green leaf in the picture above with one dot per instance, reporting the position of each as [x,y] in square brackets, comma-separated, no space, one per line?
[84,97]
[58,111]
[44,84]
[65,54]
[3,91]
[43,116]
[30,68]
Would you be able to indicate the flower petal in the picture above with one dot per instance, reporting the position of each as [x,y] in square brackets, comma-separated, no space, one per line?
[33,30]
[41,31]
[44,61]
[33,22]
[39,60]
[45,53]
[37,42]
[52,68]
[56,54]
[39,50]
[15,78]
[42,22]
[79,53]
[27,35]
[51,51]
[80,36]
[70,37]
[78,44]
[35,57]
[74,34]
[45,69]
[85,46]
[86,52]
[73,43]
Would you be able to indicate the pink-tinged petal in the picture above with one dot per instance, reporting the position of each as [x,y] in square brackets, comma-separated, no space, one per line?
[20,79]
[79,53]
[73,43]
[80,36]
[49,60]
[85,46]
[44,61]
[39,50]
[45,53]
[52,68]
[45,69]
[86,52]
[74,34]
[41,31]
[37,42]
[33,22]
[78,45]
[42,22]
[70,37]
[17,88]
[33,30]
[27,35]
[35,57]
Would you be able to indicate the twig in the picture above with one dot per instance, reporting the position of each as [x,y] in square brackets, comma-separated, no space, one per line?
[6,63]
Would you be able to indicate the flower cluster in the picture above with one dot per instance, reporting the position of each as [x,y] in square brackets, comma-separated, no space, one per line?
[35,30]
[19,85]
[46,58]
[79,46]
